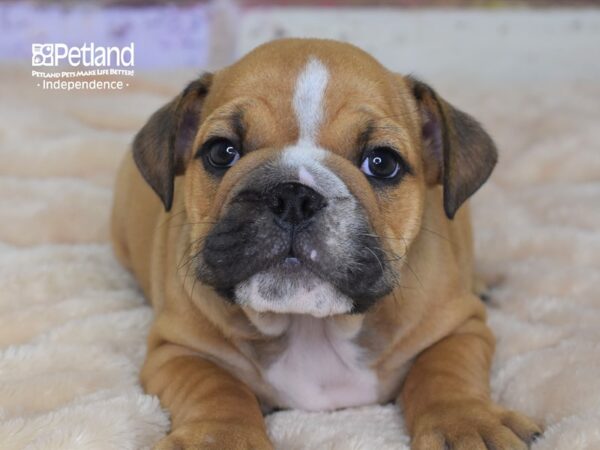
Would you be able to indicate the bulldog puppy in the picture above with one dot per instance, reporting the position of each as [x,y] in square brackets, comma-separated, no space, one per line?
[298,222]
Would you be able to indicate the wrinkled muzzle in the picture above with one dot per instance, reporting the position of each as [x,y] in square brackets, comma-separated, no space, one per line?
[293,239]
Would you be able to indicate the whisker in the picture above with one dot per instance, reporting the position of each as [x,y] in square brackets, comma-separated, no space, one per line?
[192,223]
[188,257]
[414,273]
[396,257]
[378,260]
[435,233]
[171,217]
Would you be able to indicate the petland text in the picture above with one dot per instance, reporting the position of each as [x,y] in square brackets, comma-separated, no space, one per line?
[88,55]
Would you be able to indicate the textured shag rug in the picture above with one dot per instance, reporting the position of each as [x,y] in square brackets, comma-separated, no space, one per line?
[73,323]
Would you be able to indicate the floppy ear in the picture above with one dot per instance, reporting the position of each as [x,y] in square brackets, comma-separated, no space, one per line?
[161,147]
[458,152]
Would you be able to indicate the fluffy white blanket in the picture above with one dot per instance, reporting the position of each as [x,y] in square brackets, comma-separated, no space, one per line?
[73,324]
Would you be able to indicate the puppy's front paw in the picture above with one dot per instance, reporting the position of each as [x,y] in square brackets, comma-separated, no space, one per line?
[215,436]
[473,425]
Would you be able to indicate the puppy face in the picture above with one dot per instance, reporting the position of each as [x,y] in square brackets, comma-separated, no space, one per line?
[306,165]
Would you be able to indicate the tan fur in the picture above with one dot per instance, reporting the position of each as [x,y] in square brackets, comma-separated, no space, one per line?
[427,340]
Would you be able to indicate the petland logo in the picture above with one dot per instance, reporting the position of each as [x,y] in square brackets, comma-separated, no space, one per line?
[89,67]
[88,55]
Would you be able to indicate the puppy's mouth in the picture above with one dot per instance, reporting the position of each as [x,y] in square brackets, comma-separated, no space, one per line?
[291,262]
[323,263]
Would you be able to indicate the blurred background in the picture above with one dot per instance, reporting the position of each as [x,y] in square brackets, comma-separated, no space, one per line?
[528,70]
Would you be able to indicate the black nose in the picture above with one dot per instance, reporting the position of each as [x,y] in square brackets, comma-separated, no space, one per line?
[294,203]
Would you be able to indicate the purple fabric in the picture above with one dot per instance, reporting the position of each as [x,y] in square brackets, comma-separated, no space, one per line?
[164,36]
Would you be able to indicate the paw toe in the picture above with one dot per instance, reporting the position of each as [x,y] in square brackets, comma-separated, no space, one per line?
[527,430]
[430,441]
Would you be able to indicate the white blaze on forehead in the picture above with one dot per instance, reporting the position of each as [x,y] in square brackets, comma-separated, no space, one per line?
[308,159]
[306,155]
[305,177]
[303,154]
[308,99]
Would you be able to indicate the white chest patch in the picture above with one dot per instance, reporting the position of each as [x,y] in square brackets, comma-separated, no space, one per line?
[321,368]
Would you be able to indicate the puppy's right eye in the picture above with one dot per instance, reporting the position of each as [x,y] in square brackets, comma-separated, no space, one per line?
[221,153]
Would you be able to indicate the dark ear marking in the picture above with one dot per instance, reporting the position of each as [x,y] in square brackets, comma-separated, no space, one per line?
[162,146]
[458,153]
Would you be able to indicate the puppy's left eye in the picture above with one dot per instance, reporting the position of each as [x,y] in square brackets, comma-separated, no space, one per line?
[222,153]
[381,162]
